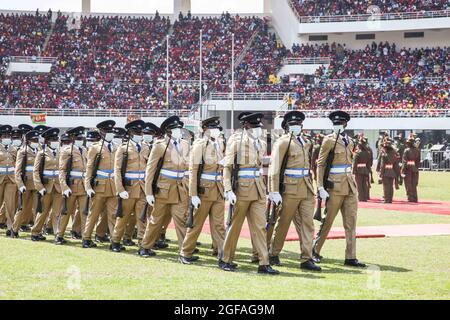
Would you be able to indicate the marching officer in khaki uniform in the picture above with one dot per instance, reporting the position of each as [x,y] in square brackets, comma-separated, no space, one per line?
[389,170]
[362,166]
[8,189]
[129,171]
[149,133]
[46,182]
[250,197]
[72,166]
[24,180]
[410,169]
[297,196]
[205,188]
[342,195]
[167,190]
[99,182]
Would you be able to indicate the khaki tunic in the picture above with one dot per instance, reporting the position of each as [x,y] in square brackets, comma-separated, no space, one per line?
[8,189]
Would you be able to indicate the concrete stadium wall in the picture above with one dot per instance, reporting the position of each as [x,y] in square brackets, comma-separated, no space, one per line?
[432,38]
[284,21]
[298,69]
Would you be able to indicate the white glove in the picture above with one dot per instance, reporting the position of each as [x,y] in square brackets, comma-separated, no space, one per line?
[275,197]
[323,194]
[196,202]
[90,193]
[231,197]
[22,189]
[42,192]
[67,193]
[221,162]
[150,200]
[124,195]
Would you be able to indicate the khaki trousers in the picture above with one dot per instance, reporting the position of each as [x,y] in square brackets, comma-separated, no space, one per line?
[411,181]
[167,220]
[213,209]
[73,203]
[51,202]
[302,212]
[8,202]
[388,188]
[159,216]
[28,207]
[255,213]
[2,213]
[101,227]
[363,184]
[76,220]
[349,206]
[100,204]
[129,207]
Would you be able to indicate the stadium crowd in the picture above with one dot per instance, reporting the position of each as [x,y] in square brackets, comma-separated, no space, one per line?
[350,7]
[119,63]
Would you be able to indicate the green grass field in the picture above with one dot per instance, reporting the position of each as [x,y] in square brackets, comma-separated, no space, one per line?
[400,267]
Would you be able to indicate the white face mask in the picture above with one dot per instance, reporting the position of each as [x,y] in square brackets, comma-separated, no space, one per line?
[16,142]
[6,141]
[116,140]
[137,138]
[34,145]
[214,133]
[176,133]
[54,145]
[89,144]
[78,143]
[256,132]
[41,140]
[339,128]
[109,136]
[147,137]
[296,130]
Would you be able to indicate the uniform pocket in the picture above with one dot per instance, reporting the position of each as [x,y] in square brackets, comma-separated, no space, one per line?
[163,190]
[243,188]
[290,187]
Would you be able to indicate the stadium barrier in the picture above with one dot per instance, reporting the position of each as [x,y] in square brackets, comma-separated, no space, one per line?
[306,60]
[96,112]
[31,59]
[250,95]
[435,160]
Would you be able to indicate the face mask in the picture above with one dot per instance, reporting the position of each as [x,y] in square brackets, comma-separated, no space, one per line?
[137,138]
[34,145]
[6,141]
[116,140]
[147,137]
[89,144]
[256,132]
[214,133]
[41,140]
[339,128]
[78,143]
[16,142]
[110,136]
[176,133]
[54,145]
[296,130]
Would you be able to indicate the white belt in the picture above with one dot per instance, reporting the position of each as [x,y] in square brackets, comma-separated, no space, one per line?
[172,174]
[249,173]
[211,176]
[135,175]
[341,169]
[389,166]
[296,172]
[76,174]
[411,163]
[361,165]
[51,173]
[6,170]
[29,168]
[105,174]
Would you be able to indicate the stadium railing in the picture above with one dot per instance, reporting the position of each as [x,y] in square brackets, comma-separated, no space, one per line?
[32,59]
[94,112]
[382,113]
[307,60]
[250,95]
[435,160]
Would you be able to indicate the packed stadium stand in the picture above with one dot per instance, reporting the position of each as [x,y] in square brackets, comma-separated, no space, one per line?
[117,62]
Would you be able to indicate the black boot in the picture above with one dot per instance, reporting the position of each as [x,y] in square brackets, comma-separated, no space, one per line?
[103,239]
[60,240]
[3,226]
[145,253]
[186,260]
[8,233]
[89,244]
[160,245]
[128,242]
[354,263]
[317,258]
[267,269]
[14,234]
[226,266]
[49,231]
[274,261]
[38,237]
[75,235]
[310,265]
[115,247]
[25,228]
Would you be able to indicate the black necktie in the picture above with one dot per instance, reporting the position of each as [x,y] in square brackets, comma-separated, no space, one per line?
[300,140]
[138,146]
[109,147]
